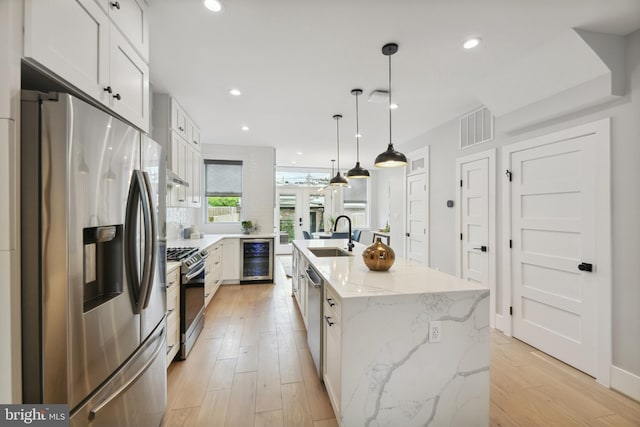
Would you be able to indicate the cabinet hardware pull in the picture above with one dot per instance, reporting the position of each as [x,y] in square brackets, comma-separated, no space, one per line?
[329,322]
[115,4]
[330,302]
[108,89]
[117,96]
[171,284]
[585,267]
[206,295]
[169,349]
[180,128]
[481,248]
[170,311]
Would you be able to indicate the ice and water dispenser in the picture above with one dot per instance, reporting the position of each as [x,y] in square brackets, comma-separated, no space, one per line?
[103,264]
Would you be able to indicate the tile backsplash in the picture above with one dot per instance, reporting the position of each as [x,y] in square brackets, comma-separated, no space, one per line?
[181,217]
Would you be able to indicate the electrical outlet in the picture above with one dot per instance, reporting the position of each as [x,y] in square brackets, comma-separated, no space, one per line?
[435,331]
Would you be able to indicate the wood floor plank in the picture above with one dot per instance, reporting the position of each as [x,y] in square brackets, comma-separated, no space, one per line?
[319,402]
[290,371]
[242,401]
[269,419]
[214,408]
[222,374]
[180,417]
[268,393]
[332,422]
[247,359]
[295,407]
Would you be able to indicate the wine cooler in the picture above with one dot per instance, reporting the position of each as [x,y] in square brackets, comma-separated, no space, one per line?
[256,260]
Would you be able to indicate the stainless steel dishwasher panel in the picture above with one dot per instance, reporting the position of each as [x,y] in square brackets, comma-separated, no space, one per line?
[314,317]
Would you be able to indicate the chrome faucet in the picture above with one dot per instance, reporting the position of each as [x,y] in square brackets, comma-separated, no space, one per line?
[350,245]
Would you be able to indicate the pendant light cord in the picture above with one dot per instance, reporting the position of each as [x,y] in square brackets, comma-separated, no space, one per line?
[390,100]
[357,131]
[338,141]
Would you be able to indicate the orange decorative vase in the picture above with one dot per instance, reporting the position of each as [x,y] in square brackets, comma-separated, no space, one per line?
[378,256]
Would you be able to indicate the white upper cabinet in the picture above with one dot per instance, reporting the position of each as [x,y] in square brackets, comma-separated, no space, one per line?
[129,82]
[130,16]
[178,118]
[76,41]
[78,50]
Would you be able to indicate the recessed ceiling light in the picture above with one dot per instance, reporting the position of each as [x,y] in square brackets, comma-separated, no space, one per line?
[214,5]
[293,162]
[358,135]
[245,128]
[393,106]
[471,43]
[235,92]
[299,153]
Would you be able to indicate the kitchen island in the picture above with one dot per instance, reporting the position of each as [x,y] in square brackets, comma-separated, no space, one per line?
[380,365]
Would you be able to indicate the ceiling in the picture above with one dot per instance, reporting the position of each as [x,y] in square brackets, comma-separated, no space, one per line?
[296,61]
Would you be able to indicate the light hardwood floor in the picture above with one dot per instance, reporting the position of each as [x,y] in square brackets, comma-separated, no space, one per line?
[251,367]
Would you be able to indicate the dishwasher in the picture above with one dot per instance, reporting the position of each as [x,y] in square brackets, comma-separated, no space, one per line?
[314,316]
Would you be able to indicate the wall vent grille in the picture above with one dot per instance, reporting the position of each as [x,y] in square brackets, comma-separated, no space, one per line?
[476,128]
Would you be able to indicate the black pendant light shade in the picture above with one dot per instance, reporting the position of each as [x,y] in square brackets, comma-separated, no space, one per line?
[338,180]
[357,171]
[390,158]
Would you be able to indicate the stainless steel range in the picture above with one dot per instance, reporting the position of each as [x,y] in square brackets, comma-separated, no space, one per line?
[192,278]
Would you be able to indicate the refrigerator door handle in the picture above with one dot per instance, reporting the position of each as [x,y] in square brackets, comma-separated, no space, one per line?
[151,251]
[124,387]
[139,286]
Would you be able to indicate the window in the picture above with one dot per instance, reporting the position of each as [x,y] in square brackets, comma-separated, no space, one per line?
[223,190]
[355,202]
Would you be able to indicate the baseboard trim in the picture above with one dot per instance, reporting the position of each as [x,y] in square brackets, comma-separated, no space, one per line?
[625,382]
[502,325]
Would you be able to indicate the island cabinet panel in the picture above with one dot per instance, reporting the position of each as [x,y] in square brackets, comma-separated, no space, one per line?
[380,366]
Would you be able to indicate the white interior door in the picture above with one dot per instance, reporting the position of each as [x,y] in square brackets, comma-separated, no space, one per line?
[553,233]
[416,221]
[476,221]
[417,209]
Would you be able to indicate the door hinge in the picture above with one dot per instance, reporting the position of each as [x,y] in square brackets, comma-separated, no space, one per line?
[460,183]
[510,244]
[511,311]
[425,187]
[460,236]
[509,174]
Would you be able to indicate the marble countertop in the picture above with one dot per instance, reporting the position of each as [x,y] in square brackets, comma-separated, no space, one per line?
[350,277]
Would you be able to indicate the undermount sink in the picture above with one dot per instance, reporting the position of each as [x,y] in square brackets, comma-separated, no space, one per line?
[329,252]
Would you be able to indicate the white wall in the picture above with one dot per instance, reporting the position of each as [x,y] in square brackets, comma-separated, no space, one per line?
[258,185]
[10,53]
[625,151]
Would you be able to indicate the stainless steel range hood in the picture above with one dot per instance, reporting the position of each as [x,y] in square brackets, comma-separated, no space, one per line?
[174,180]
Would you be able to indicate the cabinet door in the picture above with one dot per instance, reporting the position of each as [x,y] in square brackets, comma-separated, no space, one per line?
[71,39]
[129,82]
[195,136]
[178,119]
[332,359]
[231,260]
[130,16]
[196,180]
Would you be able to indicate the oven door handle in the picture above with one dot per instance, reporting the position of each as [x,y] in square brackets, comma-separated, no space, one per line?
[190,276]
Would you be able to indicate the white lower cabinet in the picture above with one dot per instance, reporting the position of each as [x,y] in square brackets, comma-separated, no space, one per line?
[173,314]
[332,349]
[231,260]
[213,272]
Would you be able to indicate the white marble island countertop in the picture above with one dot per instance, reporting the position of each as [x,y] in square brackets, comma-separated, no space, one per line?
[351,278]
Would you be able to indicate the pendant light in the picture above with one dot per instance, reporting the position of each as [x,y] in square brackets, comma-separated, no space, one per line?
[338,180]
[357,171]
[390,158]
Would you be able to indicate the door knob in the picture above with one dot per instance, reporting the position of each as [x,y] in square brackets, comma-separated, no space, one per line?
[585,267]
[482,248]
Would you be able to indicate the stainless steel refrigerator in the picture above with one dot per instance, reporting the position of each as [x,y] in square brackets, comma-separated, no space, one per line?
[93,263]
